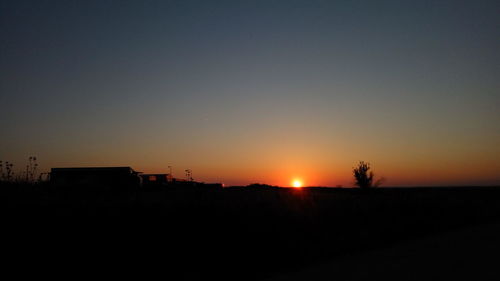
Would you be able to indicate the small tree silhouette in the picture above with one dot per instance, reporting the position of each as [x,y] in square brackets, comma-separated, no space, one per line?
[361,175]
[364,177]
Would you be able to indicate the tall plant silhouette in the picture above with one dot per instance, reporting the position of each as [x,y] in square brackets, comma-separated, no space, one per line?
[364,177]
[9,175]
[31,168]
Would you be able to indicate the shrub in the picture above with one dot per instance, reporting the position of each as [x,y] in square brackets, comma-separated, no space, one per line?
[364,177]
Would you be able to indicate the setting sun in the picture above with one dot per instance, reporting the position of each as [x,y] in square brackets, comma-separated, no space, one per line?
[296,183]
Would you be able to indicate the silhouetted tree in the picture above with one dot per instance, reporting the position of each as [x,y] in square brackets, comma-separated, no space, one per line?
[364,177]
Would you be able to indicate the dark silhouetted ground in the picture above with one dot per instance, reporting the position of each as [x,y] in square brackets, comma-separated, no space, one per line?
[465,254]
[239,233]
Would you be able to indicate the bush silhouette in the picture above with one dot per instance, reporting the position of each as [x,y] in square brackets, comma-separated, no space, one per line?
[364,177]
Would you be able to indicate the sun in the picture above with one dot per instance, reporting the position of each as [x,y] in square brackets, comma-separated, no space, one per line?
[297,183]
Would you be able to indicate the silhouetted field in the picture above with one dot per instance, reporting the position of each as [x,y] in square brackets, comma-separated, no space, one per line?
[230,234]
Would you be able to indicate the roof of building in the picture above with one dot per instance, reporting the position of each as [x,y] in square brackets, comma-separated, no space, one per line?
[94,169]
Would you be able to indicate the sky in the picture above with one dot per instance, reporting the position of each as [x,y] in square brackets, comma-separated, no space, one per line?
[243,92]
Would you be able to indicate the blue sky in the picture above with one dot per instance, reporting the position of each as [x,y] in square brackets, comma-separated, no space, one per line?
[244,91]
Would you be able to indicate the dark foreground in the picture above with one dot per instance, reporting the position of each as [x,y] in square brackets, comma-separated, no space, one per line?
[230,234]
[469,253]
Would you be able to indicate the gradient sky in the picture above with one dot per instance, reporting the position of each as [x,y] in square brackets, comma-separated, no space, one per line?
[255,91]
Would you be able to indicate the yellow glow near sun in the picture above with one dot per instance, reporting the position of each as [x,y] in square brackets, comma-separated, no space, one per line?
[297,183]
